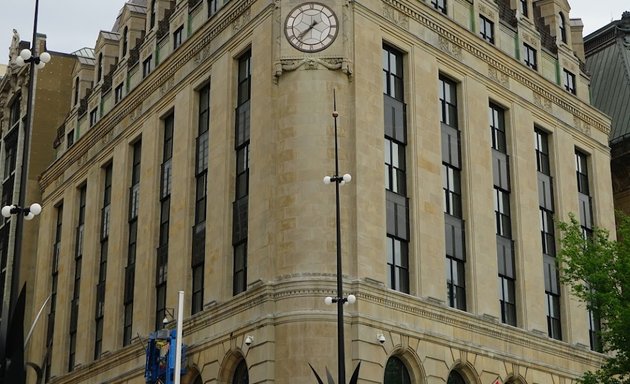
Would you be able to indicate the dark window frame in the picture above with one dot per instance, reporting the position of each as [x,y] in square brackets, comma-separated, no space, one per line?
[440,5]
[530,56]
[569,81]
[178,36]
[486,29]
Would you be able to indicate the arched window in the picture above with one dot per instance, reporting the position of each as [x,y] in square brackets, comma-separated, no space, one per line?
[455,378]
[396,372]
[241,376]
[563,28]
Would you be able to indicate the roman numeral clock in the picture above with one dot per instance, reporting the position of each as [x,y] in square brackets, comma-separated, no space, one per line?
[311,27]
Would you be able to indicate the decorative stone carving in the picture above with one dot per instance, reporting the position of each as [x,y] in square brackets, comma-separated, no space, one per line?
[450,48]
[531,40]
[396,17]
[581,126]
[202,55]
[542,102]
[14,49]
[241,20]
[498,76]
[166,86]
[312,63]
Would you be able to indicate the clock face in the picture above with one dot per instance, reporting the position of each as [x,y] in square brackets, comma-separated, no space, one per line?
[311,27]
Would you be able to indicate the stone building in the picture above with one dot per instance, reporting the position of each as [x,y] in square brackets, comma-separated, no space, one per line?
[608,62]
[192,160]
[51,90]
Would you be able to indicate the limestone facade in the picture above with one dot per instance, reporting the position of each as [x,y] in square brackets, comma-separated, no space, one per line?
[290,214]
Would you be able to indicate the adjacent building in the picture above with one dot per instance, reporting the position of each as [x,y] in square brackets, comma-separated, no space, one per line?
[51,91]
[608,62]
[191,160]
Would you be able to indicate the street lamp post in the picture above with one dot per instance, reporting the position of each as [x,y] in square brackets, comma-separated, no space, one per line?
[340,300]
[13,262]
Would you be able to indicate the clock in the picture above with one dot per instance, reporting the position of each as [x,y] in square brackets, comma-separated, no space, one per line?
[311,27]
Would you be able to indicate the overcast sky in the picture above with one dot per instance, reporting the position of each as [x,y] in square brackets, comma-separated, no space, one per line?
[73,24]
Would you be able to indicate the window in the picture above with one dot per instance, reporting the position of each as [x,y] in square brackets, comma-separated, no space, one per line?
[146,67]
[241,376]
[397,235]
[125,38]
[569,82]
[213,6]
[547,234]
[486,29]
[396,372]
[134,202]
[10,150]
[440,5]
[102,268]
[118,93]
[503,224]
[70,139]
[93,116]
[78,257]
[53,288]
[201,181]
[240,205]
[14,115]
[76,90]
[562,28]
[586,222]
[455,378]
[524,8]
[152,15]
[177,37]
[529,54]
[165,206]
[452,196]
[99,68]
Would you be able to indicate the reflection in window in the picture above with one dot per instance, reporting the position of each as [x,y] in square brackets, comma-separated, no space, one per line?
[396,372]
[241,376]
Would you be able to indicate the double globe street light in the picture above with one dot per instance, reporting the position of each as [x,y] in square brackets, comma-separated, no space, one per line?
[26,56]
[29,212]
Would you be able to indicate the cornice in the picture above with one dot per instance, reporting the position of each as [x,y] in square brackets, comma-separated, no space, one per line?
[194,48]
[456,42]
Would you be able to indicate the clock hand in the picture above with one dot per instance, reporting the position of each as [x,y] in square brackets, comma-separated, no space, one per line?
[314,23]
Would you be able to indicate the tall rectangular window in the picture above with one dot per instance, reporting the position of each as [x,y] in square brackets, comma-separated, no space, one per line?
[165,208]
[54,277]
[130,268]
[147,66]
[569,81]
[177,37]
[585,202]
[529,56]
[486,29]
[523,8]
[397,203]
[502,214]
[201,190]
[15,112]
[240,206]
[440,5]
[78,257]
[452,192]
[93,116]
[547,235]
[102,267]
[118,93]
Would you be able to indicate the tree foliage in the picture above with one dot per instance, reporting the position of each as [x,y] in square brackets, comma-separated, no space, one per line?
[598,271]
